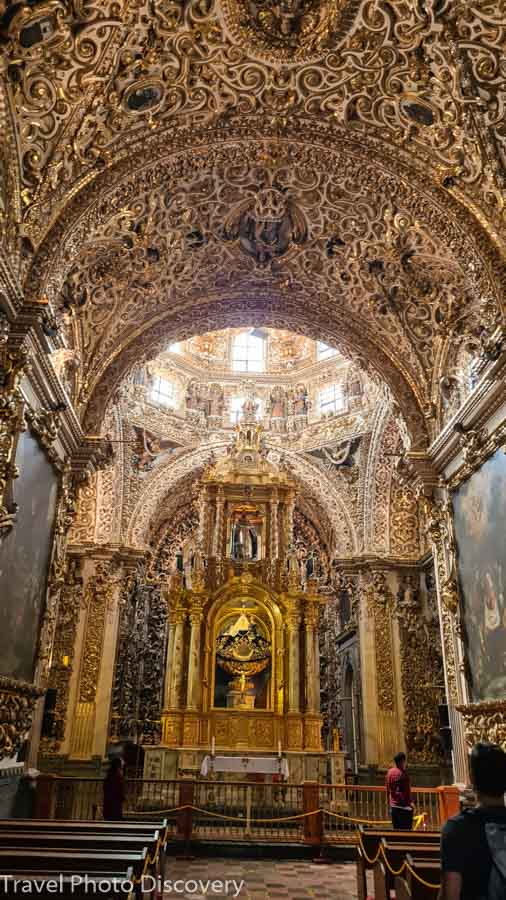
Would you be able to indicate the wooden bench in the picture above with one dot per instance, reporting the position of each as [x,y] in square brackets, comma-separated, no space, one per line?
[40,884]
[395,855]
[369,846]
[408,886]
[42,866]
[56,841]
[55,860]
[98,825]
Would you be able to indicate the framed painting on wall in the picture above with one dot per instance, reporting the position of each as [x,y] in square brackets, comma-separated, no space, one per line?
[24,560]
[480,530]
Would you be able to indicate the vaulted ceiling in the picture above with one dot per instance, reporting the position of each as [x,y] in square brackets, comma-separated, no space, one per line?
[335,168]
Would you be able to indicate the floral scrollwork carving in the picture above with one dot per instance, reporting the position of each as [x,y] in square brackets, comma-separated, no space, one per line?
[44,423]
[65,596]
[485,722]
[98,600]
[421,669]
[17,702]
[477,446]
[379,603]
[65,514]
[13,365]
[450,595]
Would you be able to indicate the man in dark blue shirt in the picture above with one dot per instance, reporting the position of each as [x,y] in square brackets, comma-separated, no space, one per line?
[466,858]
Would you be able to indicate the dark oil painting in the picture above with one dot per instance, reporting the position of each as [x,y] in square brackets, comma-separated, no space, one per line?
[480,530]
[24,558]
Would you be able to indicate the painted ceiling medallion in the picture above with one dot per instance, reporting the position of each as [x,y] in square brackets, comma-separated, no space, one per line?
[290,30]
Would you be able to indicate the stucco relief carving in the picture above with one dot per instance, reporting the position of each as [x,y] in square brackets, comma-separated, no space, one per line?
[297,56]
[385,253]
[382,455]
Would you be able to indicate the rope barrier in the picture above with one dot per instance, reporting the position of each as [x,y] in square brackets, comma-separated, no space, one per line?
[417,821]
[358,821]
[419,878]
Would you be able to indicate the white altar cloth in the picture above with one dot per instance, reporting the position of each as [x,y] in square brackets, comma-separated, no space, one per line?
[265,765]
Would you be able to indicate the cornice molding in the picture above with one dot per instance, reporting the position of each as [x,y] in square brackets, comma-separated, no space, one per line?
[479,409]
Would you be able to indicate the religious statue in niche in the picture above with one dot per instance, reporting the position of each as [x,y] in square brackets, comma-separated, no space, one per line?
[243,650]
[216,401]
[147,448]
[267,225]
[206,399]
[276,408]
[192,395]
[300,402]
[354,388]
[246,534]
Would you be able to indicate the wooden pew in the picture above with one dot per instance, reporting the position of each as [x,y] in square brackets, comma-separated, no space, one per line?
[88,842]
[67,888]
[369,845]
[97,862]
[396,854]
[408,887]
[104,826]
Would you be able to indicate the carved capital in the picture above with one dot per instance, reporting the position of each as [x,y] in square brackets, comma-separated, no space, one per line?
[293,613]
[311,614]
[177,615]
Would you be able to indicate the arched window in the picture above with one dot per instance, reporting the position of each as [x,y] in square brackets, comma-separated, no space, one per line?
[323,351]
[163,391]
[331,399]
[248,353]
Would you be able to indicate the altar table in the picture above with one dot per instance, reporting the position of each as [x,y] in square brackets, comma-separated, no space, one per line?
[265,765]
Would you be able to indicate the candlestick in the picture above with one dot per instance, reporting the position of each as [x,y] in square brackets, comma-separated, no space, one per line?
[213,746]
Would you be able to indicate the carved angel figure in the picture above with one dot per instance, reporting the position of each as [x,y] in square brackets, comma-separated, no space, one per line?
[147,448]
[267,225]
[339,456]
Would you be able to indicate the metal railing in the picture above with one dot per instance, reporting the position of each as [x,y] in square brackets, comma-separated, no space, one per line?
[244,810]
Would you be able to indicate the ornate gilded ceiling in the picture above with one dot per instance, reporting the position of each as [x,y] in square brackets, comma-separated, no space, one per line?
[334,168]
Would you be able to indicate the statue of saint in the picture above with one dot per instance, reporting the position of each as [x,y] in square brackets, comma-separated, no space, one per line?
[244,541]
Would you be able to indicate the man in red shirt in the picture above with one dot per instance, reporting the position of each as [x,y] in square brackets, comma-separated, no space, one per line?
[398,788]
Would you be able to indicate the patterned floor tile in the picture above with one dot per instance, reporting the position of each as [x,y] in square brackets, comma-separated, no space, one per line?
[258,880]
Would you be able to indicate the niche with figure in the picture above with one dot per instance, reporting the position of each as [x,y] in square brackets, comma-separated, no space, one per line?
[243,657]
[246,536]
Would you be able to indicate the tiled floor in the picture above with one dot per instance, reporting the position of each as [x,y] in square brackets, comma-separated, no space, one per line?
[259,880]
